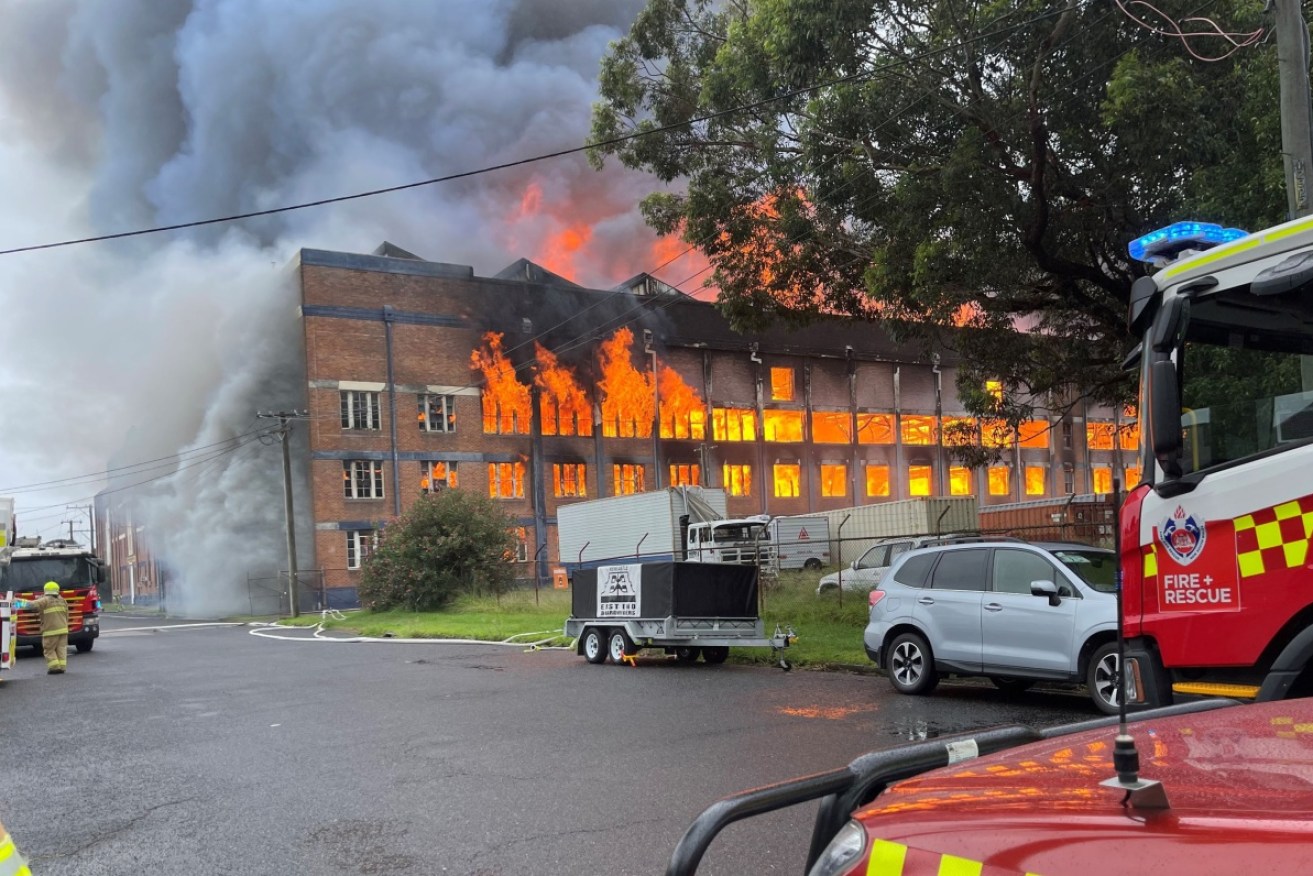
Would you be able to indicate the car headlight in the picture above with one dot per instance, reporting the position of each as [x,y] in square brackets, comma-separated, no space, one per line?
[846,849]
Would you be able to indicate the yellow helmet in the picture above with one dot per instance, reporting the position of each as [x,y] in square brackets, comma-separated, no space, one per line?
[51,587]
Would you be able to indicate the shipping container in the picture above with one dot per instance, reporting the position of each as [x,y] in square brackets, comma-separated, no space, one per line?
[1081,517]
[853,530]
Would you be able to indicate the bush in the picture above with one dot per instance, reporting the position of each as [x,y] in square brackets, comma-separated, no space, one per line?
[447,544]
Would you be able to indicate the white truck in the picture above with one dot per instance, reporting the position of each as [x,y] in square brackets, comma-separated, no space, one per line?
[678,523]
[801,542]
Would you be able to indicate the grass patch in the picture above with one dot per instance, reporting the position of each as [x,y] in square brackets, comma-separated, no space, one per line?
[829,630]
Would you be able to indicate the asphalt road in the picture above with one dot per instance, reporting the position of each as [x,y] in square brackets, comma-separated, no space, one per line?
[207,750]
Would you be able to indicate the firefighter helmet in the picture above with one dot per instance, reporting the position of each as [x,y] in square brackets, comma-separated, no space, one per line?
[51,587]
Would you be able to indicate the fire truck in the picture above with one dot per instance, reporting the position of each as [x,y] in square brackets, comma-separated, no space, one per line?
[30,563]
[1217,570]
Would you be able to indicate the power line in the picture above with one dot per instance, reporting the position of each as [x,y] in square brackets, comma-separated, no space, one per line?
[560,153]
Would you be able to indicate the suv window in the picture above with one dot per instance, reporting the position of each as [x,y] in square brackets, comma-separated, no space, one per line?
[962,570]
[914,572]
[874,558]
[1014,571]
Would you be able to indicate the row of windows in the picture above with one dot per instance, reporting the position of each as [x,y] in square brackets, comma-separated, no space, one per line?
[363,479]
[437,413]
[360,544]
[360,411]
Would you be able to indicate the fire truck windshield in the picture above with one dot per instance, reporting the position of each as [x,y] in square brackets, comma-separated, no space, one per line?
[1246,379]
[25,574]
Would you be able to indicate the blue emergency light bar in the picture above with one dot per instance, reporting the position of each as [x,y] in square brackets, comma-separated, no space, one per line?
[1166,242]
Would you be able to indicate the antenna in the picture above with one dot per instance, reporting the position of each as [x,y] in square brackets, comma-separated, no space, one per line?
[1140,793]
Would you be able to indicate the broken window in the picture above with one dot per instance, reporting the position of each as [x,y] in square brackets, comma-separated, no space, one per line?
[918,430]
[506,480]
[569,479]
[1099,436]
[360,409]
[1036,480]
[960,481]
[362,479]
[733,424]
[1102,477]
[685,475]
[919,479]
[781,384]
[1034,433]
[996,433]
[782,425]
[437,475]
[877,480]
[832,427]
[788,479]
[522,539]
[834,479]
[360,544]
[628,479]
[437,413]
[737,479]
[1000,480]
[875,428]
[960,431]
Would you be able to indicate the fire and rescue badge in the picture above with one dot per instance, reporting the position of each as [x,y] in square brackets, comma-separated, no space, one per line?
[1183,537]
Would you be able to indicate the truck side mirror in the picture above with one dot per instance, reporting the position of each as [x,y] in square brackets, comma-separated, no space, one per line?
[1165,417]
[1046,588]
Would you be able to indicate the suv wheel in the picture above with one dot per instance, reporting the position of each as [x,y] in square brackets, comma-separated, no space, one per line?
[1103,679]
[911,666]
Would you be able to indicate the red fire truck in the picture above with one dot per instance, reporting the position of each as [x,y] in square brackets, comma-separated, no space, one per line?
[26,567]
[1217,571]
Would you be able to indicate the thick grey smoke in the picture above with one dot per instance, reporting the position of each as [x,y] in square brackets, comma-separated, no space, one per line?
[120,114]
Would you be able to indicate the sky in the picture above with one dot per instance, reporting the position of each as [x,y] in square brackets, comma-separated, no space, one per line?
[118,115]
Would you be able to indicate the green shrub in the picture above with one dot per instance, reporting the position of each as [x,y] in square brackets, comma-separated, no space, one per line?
[447,544]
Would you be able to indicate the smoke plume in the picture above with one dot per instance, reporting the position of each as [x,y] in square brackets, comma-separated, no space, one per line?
[138,113]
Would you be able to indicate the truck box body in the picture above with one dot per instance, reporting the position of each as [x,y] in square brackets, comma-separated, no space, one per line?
[800,542]
[867,524]
[640,526]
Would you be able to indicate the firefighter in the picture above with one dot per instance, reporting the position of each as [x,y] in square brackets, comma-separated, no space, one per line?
[54,627]
[12,862]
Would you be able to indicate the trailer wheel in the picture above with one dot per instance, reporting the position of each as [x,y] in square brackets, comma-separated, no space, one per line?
[715,654]
[619,646]
[686,654]
[812,564]
[594,645]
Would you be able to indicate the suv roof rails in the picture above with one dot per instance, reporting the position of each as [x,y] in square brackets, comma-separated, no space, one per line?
[970,539]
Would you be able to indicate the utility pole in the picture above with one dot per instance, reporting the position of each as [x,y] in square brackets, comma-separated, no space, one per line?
[91,531]
[1296,122]
[70,528]
[284,432]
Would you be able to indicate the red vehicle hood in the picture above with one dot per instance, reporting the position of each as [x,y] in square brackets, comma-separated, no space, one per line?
[1239,782]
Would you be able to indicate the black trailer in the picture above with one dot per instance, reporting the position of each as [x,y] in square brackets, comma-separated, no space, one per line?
[690,610]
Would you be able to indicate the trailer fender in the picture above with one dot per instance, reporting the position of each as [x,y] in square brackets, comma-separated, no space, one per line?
[1288,667]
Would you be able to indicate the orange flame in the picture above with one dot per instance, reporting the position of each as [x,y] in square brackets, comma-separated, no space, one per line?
[506,406]
[563,404]
[683,415]
[628,401]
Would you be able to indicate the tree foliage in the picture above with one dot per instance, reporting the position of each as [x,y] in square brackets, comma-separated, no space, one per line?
[447,544]
[942,163]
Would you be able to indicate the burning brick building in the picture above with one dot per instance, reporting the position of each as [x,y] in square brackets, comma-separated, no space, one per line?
[423,376]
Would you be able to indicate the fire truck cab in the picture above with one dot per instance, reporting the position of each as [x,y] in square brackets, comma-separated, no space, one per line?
[24,570]
[1217,571]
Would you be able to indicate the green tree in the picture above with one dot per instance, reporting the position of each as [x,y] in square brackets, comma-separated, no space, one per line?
[955,170]
[447,544]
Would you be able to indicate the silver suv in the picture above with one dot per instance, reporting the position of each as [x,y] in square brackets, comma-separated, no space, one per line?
[1014,612]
